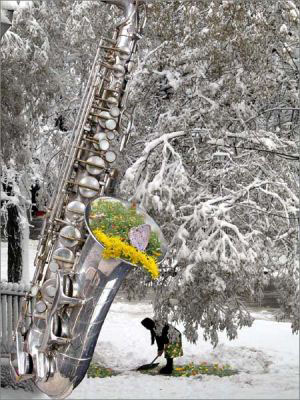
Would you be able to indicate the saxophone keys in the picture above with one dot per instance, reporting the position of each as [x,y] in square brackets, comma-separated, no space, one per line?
[115,90]
[114,173]
[59,340]
[109,40]
[124,53]
[110,180]
[103,116]
[112,100]
[87,128]
[34,290]
[130,66]
[75,211]
[97,137]
[95,165]
[69,236]
[114,112]
[40,307]
[53,267]
[48,291]
[64,257]
[110,156]
[104,144]
[118,71]
[71,301]
[88,187]
[110,124]
[111,135]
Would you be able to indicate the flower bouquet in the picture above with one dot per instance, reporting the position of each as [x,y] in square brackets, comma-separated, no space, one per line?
[127,233]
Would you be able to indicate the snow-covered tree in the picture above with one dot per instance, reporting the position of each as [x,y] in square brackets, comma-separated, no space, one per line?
[218,93]
[45,59]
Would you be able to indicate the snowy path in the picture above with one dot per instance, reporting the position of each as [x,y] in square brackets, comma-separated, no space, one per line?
[267,356]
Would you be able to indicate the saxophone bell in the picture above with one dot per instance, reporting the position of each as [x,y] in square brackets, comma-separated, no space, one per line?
[99,279]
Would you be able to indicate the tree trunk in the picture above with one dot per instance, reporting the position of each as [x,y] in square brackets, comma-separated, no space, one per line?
[14,262]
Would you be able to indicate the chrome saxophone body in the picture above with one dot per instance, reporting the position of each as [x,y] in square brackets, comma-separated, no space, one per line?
[73,286]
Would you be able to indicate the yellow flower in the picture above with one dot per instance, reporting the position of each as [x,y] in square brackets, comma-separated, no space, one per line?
[115,248]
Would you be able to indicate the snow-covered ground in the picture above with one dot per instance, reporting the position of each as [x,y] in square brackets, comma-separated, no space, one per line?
[267,356]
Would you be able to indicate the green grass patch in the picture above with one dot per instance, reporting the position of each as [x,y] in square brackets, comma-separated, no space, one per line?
[98,371]
[114,219]
[204,369]
[200,369]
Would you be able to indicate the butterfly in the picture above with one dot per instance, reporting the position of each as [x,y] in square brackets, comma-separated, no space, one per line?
[139,236]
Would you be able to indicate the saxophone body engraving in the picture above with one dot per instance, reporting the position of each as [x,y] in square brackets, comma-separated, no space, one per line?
[73,286]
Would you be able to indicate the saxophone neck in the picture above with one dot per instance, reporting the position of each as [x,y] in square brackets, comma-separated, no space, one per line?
[129,7]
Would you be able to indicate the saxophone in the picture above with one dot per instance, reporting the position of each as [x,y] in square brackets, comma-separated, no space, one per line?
[73,285]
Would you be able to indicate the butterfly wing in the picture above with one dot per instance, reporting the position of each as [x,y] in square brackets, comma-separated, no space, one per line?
[139,236]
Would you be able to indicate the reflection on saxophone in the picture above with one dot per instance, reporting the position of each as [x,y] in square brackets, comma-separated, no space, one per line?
[73,286]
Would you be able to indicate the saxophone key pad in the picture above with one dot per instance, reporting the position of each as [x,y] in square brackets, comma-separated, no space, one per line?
[34,291]
[87,128]
[64,257]
[111,135]
[112,100]
[40,306]
[53,267]
[69,236]
[104,144]
[119,71]
[114,112]
[110,156]
[104,116]
[124,53]
[97,137]
[48,290]
[111,124]
[75,211]
[88,187]
[97,165]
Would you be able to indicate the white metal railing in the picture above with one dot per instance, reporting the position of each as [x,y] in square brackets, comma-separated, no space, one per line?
[11,295]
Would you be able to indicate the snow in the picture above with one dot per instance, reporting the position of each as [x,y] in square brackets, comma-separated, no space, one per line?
[9,5]
[267,356]
[283,29]
[14,5]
